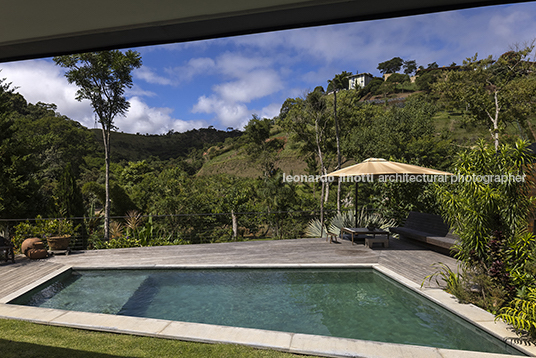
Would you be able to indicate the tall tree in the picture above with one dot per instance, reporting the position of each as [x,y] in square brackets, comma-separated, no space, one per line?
[308,122]
[339,82]
[391,66]
[102,78]
[410,66]
[69,196]
[262,150]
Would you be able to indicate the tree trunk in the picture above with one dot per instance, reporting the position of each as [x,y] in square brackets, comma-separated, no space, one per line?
[322,172]
[495,120]
[106,138]
[338,151]
[496,123]
[322,210]
[235,225]
[326,195]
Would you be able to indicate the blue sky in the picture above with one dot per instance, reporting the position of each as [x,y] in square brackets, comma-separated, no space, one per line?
[223,82]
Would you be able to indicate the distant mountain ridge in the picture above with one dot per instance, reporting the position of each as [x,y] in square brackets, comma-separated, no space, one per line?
[136,147]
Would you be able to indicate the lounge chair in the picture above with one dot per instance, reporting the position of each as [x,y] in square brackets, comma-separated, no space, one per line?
[7,249]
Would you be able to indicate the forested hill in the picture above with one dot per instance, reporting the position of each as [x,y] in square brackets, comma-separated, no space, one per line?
[125,147]
[136,147]
[423,122]
[40,147]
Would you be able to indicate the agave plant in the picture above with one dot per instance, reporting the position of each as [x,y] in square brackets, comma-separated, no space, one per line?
[116,229]
[364,219]
[133,220]
[314,229]
[343,219]
[347,219]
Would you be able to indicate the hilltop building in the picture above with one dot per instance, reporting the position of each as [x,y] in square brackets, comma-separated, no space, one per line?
[361,80]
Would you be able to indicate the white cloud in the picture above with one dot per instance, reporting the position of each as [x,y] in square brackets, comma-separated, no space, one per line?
[235,64]
[250,78]
[144,119]
[226,65]
[271,111]
[148,75]
[183,126]
[253,85]
[138,91]
[43,81]
[230,114]
[194,67]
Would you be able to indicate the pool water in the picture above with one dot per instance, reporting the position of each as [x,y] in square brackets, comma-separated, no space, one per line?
[348,303]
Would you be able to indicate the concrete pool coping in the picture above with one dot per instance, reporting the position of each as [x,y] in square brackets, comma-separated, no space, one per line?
[281,341]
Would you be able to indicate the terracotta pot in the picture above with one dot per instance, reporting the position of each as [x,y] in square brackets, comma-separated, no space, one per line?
[32,243]
[58,242]
[35,254]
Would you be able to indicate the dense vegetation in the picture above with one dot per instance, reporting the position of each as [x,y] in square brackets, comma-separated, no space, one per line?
[209,185]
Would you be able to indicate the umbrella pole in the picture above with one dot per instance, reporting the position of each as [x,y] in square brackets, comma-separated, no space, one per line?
[355,204]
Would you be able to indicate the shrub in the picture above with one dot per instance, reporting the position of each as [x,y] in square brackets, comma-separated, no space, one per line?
[521,313]
[491,219]
[398,78]
[480,210]
[470,284]
[42,228]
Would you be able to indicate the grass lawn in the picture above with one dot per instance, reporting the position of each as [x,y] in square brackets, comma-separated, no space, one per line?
[19,339]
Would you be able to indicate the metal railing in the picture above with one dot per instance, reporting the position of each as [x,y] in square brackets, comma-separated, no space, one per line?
[185,228]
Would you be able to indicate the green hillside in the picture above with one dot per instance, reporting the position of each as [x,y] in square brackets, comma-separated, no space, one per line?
[230,159]
[136,147]
[227,159]
[465,132]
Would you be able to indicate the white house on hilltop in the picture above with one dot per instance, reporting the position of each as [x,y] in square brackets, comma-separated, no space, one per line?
[361,80]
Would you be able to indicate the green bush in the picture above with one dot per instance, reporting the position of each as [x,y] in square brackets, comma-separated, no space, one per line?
[398,78]
[43,228]
[470,285]
[118,243]
[496,251]
[479,210]
[521,313]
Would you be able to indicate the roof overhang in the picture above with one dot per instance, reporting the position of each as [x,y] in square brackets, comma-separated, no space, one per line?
[37,28]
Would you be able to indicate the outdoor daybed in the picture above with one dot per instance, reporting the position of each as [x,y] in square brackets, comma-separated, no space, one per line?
[429,230]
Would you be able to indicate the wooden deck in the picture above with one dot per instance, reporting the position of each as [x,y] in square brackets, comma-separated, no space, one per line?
[404,258]
[15,276]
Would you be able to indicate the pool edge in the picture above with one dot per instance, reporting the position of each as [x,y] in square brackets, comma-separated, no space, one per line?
[34,284]
[282,341]
[469,312]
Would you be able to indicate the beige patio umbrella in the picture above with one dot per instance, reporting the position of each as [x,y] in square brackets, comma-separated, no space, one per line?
[374,168]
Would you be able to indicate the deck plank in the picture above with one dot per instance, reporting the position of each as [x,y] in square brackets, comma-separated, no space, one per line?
[411,261]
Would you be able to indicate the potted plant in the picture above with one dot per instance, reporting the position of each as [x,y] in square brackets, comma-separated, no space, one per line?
[59,233]
[373,222]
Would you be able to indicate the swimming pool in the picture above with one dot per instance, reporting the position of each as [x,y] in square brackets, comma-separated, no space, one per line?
[349,303]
